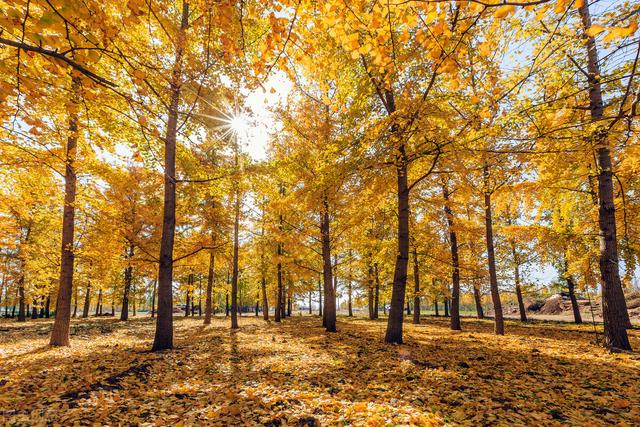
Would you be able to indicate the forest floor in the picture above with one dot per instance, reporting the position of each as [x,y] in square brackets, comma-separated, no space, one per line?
[296,374]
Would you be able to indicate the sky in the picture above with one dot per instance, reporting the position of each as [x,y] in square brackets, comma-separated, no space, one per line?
[257,126]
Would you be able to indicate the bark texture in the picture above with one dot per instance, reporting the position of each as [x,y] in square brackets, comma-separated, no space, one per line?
[163,338]
[614,308]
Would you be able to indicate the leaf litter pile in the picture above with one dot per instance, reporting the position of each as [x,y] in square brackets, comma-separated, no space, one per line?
[296,374]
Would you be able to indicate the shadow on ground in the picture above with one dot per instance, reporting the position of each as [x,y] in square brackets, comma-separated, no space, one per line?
[296,374]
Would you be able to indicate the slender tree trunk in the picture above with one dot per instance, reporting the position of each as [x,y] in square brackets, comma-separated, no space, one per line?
[153,299]
[257,304]
[416,288]
[349,290]
[227,308]
[435,304]
[13,307]
[478,300]
[22,316]
[289,306]
[370,291]
[133,297]
[310,302]
[87,301]
[200,296]
[577,317]
[614,307]
[278,308]
[186,307]
[523,312]
[99,303]
[236,225]
[376,294]
[75,302]
[128,278]
[446,307]
[283,301]
[163,338]
[408,308]
[47,307]
[265,301]
[455,263]
[394,323]
[61,324]
[493,278]
[208,298]
[327,270]
[34,309]
[320,299]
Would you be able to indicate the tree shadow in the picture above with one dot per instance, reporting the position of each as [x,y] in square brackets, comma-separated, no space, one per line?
[294,373]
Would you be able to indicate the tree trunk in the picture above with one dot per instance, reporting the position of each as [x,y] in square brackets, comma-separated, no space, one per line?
[257,304]
[87,301]
[163,338]
[446,307]
[186,306]
[435,306]
[320,299]
[416,288]
[200,296]
[34,309]
[128,277]
[227,309]
[61,324]
[283,301]
[236,225]
[394,323]
[478,301]
[153,299]
[75,302]
[327,270]
[516,275]
[408,308]
[265,301]
[523,313]
[133,298]
[491,257]
[349,291]
[376,295]
[13,308]
[455,263]
[310,302]
[614,307]
[47,307]
[370,291]
[208,298]
[577,317]
[99,303]
[22,316]
[278,308]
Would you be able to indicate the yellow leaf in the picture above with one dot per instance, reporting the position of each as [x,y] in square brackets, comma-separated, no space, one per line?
[139,74]
[484,49]
[504,11]
[594,30]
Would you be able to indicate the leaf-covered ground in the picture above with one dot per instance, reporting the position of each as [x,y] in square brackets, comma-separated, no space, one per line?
[296,374]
